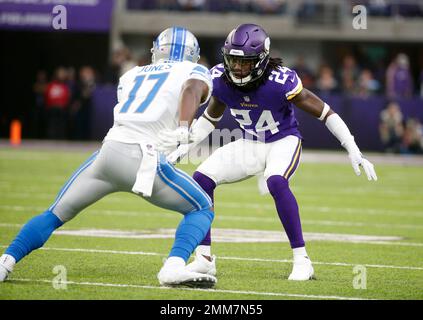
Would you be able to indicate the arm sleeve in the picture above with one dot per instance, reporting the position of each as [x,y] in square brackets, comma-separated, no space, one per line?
[340,130]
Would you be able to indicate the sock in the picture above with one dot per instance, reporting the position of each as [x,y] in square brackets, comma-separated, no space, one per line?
[287,208]
[204,250]
[8,262]
[33,235]
[190,232]
[208,186]
[174,262]
[299,252]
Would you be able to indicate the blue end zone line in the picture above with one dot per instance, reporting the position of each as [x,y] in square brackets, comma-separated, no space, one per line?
[178,189]
[192,182]
[85,165]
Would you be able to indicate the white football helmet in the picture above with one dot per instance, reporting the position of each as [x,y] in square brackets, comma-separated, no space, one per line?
[175,44]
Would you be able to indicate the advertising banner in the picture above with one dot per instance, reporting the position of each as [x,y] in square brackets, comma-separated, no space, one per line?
[56,15]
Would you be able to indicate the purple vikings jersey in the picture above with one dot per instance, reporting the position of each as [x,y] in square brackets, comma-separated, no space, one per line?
[266,112]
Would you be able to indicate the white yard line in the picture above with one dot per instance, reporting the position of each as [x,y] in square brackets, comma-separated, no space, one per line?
[397,193]
[343,210]
[240,236]
[35,193]
[10,225]
[325,222]
[142,253]
[361,224]
[21,208]
[271,220]
[233,235]
[251,206]
[13,178]
[337,264]
[240,218]
[259,293]
[96,211]
[334,189]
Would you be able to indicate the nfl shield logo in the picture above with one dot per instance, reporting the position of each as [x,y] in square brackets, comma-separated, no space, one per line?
[247,99]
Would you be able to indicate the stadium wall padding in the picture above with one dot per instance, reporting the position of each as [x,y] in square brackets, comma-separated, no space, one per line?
[360,114]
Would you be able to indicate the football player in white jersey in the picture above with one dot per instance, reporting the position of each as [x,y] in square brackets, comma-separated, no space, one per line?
[151,98]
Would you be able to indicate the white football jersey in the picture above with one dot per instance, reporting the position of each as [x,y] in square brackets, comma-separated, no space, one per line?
[148,99]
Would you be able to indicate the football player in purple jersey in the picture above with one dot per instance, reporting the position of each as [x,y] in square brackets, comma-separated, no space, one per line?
[262,95]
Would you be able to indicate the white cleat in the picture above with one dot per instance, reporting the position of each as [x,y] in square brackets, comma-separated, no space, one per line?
[7,262]
[175,273]
[183,277]
[302,269]
[203,265]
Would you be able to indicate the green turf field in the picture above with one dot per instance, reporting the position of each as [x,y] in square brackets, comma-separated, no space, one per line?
[336,209]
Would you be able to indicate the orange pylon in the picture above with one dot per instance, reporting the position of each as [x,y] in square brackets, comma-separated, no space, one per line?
[15,133]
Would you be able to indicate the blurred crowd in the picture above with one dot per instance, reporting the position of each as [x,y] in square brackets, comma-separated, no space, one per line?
[348,77]
[63,103]
[395,81]
[253,6]
[302,7]
[389,8]
[64,100]
[400,135]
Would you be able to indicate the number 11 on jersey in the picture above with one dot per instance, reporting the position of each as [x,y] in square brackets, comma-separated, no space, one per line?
[160,79]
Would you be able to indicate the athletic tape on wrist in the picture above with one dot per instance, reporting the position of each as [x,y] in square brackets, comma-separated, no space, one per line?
[325,111]
[209,117]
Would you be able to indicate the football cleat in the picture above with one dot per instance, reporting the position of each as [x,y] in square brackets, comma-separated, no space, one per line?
[302,269]
[175,277]
[202,265]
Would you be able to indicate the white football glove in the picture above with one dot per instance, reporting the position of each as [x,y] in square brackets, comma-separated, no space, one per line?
[357,160]
[179,153]
[169,140]
[200,129]
[340,130]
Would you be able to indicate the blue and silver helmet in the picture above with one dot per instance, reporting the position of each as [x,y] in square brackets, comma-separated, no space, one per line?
[175,44]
